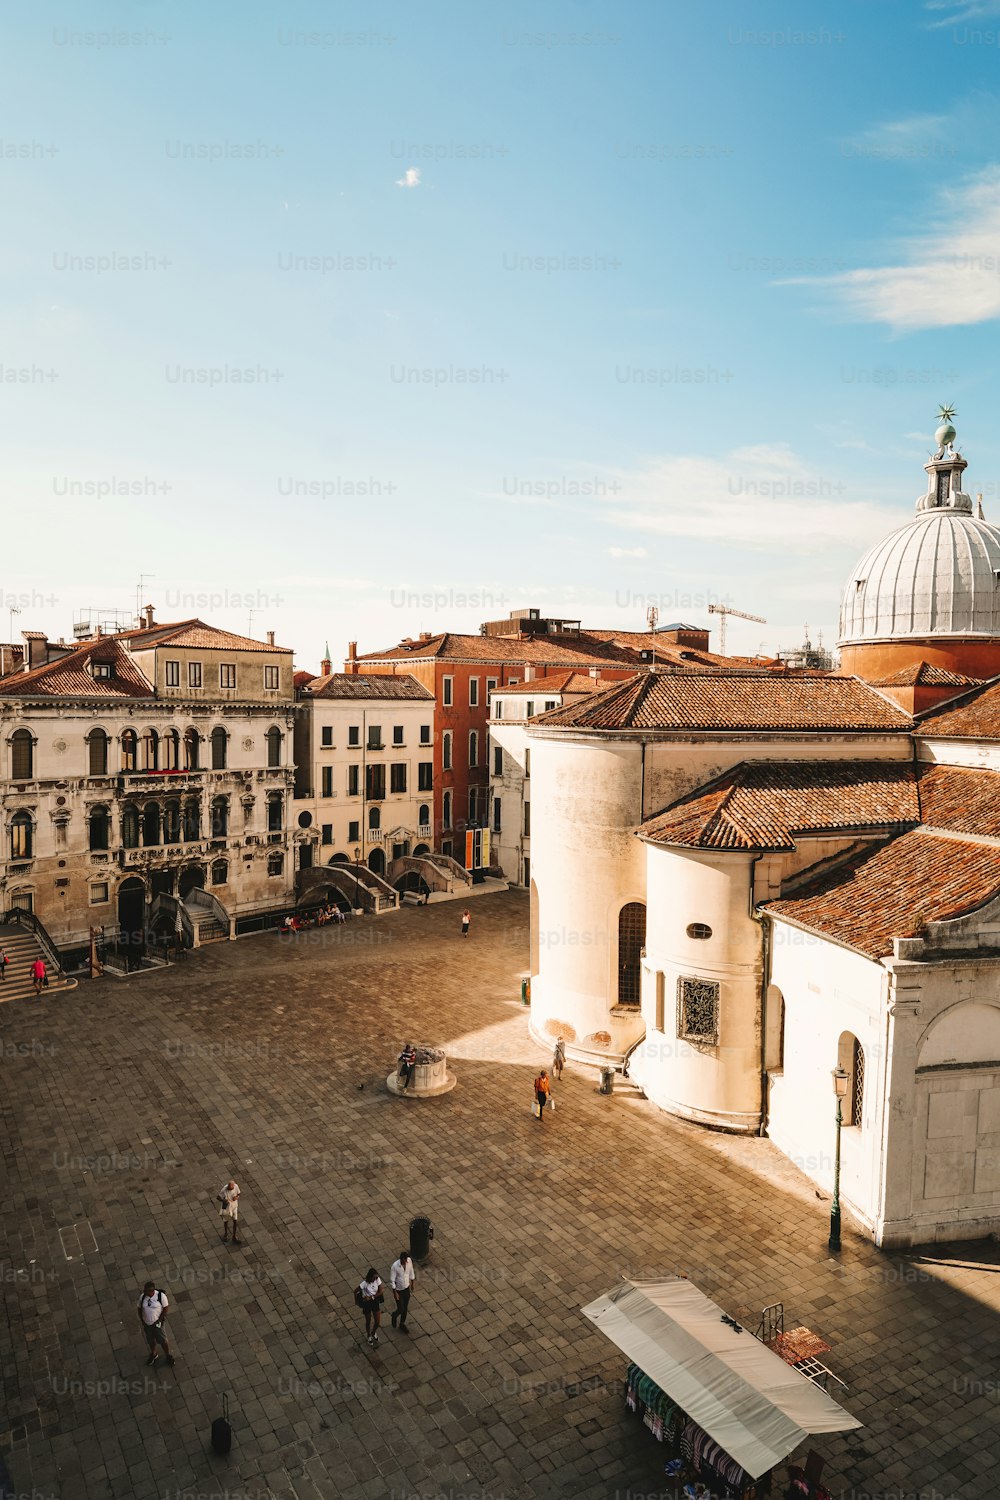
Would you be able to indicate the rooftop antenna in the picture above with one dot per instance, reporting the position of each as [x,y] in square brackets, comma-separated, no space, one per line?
[14,610]
[652,616]
[250,623]
[139,591]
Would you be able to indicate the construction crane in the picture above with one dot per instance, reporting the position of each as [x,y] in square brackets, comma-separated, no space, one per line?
[722,610]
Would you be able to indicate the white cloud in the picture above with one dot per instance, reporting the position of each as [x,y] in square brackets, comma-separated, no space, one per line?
[949,12]
[762,497]
[628,551]
[946,277]
[410,178]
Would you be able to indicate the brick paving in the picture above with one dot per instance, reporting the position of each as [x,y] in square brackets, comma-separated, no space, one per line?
[126,1105]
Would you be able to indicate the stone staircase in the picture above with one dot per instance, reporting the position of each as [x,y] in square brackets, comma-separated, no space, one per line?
[22,950]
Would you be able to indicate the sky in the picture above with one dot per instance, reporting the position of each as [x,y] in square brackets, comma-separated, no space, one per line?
[351,321]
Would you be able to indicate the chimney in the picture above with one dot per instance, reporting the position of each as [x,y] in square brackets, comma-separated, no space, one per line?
[148,612]
[270,637]
[351,665]
[35,651]
[425,635]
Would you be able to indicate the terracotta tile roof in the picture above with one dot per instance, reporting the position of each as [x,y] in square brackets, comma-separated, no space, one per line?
[764,804]
[976,716]
[570,650]
[960,799]
[876,896]
[69,678]
[370,686]
[194,633]
[756,700]
[924,675]
[556,682]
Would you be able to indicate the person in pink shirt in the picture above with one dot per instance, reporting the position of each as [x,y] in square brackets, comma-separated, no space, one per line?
[38,974]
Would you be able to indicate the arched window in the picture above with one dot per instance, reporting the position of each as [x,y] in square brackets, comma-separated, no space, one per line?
[275,812]
[631,941]
[97,753]
[129,749]
[851,1058]
[374,817]
[22,835]
[172,821]
[220,872]
[130,826]
[473,747]
[191,749]
[171,750]
[446,750]
[99,827]
[376,861]
[192,820]
[151,750]
[219,743]
[151,821]
[425,815]
[220,817]
[446,810]
[22,755]
[274,738]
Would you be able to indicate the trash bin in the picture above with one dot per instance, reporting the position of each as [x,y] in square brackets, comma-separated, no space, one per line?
[421,1234]
[525,991]
[607,1081]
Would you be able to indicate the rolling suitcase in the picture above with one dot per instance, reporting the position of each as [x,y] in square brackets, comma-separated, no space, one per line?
[222,1433]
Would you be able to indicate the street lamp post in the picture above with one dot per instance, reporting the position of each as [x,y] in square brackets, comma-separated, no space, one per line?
[357,877]
[840,1082]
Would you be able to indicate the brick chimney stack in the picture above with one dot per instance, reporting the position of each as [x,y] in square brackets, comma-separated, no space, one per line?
[351,665]
[148,612]
[270,637]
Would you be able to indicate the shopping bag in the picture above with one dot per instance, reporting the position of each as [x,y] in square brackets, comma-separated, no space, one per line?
[536,1109]
[552,1102]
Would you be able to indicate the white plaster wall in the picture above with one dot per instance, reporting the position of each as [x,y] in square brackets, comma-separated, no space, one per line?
[720,1085]
[980,754]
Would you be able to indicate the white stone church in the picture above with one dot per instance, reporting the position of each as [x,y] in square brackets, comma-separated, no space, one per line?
[742,879]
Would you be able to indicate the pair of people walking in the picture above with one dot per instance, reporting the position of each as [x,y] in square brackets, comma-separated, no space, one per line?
[543,1088]
[370,1296]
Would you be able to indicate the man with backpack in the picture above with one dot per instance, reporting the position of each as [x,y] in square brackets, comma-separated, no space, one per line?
[153,1307]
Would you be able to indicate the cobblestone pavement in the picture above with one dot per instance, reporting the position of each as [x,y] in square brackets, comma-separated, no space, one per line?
[127,1105]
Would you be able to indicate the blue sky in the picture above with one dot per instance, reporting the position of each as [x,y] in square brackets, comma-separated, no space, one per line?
[384,318]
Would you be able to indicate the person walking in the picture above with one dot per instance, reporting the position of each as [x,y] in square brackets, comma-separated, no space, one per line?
[38,975]
[407,1062]
[370,1298]
[542,1093]
[153,1306]
[466,920]
[401,1279]
[230,1210]
[559,1059]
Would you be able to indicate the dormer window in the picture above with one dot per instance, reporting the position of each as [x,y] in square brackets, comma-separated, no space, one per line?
[102,669]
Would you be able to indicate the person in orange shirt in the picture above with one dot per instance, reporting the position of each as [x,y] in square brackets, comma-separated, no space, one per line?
[542,1093]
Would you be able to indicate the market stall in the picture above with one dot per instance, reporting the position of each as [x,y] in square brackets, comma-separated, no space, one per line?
[729,1407]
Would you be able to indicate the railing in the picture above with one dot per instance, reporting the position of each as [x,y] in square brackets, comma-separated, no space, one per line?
[20,917]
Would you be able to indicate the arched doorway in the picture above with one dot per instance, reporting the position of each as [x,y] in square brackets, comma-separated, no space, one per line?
[376,861]
[192,879]
[340,859]
[132,915]
[631,942]
[421,849]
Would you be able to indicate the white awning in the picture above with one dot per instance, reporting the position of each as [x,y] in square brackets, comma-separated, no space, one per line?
[745,1397]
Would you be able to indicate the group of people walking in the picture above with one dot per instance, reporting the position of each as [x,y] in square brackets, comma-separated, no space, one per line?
[370,1296]
[38,971]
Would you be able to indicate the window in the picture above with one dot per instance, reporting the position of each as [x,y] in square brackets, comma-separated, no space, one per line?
[326,736]
[397,776]
[513,681]
[631,941]
[326,781]
[275,862]
[425,734]
[699,930]
[374,783]
[22,900]
[227,679]
[353,780]
[22,755]
[491,685]
[102,670]
[22,836]
[473,805]
[549,703]
[698,1010]
[130,826]
[354,734]
[446,750]
[397,734]
[496,814]
[473,747]
[191,749]
[172,673]
[129,749]
[171,750]
[447,691]
[192,820]
[851,1058]
[353,832]
[531,709]
[446,848]
[473,692]
[375,737]
[275,813]
[98,892]
[498,709]
[220,868]
[527,817]
[220,818]
[326,833]
[151,750]
[194,674]
[97,753]
[498,760]
[424,816]
[172,822]
[219,742]
[273,738]
[446,810]
[527,762]
[374,818]
[99,828]
[151,824]
[425,776]
[271,679]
